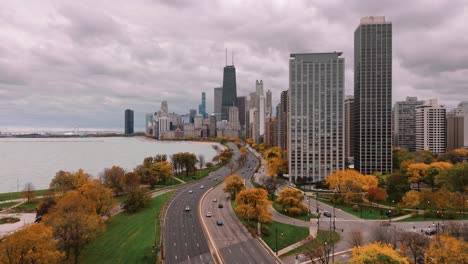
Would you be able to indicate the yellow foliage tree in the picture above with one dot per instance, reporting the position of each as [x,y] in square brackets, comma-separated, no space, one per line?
[377,253]
[100,195]
[277,165]
[253,205]
[233,185]
[411,198]
[461,152]
[64,180]
[351,181]
[416,172]
[32,244]
[290,200]
[447,249]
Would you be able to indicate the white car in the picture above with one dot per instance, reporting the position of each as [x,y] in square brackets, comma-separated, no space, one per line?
[190,191]
[208,214]
[201,186]
[187,208]
[215,200]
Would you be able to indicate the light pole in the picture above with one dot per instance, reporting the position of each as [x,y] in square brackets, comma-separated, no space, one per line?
[276,241]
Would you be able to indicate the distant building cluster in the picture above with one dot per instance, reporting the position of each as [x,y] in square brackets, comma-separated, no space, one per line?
[322,129]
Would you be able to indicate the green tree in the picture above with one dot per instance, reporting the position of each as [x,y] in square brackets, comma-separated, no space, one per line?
[137,199]
[111,177]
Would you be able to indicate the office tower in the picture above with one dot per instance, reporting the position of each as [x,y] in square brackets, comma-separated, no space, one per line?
[202,106]
[164,107]
[229,91]
[128,122]
[348,125]
[282,115]
[192,114]
[404,123]
[164,124]
[316,140]
[218,102]
[149,124]
[234,118]
[261,116]
[268,106]
[253,126]
[241,104]
[462,110]
[259,87]
[431,127]
[212,126]
[372,114]
[271,126]
[455,131]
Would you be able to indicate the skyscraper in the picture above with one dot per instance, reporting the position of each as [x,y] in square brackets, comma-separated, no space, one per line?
[348,109]
[241,104]
[455,125]
[462,110]
[405,123]
[229,90]
[431,127]
[373,96]
[282,117]
[316,90]
[202,106]
[149,124]
[218,102]
[128,122]
[268,106]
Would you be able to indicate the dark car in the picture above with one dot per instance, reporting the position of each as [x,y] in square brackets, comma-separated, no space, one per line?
[219,222]
[327,214]
[430,231]
[220,205]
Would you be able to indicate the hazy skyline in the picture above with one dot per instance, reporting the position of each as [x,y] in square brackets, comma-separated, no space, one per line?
[66,64]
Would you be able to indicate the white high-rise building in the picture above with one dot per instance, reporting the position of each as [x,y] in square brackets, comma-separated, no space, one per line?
[431,127]
[316,116]
[164,124]
[261,116]
[234,118]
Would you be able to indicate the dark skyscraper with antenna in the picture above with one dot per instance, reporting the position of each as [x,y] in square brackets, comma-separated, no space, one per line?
[229,89]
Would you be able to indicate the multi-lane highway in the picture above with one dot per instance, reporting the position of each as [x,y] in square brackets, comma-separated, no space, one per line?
[232,240]
[184,240]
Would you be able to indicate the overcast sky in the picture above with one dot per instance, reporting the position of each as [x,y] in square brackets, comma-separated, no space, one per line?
[80,64]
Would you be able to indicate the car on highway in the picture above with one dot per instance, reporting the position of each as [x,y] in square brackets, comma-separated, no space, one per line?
[430,231]
[201,186]
[208,214]
[215,200]
[219,222]
[220,205]
[190,191]
[187,208]
[215,179]
[327,214]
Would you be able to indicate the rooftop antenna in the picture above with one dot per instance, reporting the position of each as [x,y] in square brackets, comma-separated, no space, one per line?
[226,56]
[233,57]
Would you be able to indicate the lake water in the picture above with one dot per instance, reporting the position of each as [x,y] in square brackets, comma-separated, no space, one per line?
[37,160]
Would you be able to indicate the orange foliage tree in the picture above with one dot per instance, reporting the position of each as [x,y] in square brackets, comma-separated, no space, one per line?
[351,181]
[100,195]
[376,194]
[447,249]
[376,253]
[112,177]
[416,172]
[32,244]
[64,180]
[411,198]
[290,200]
[253,205]
[233,185]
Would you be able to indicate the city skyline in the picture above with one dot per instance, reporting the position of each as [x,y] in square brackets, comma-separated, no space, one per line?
[73,66]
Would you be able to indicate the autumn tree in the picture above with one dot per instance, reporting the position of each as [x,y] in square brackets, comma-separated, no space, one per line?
[130,181]
[111,177]
[416,172]
[413,243]
[184,162]
[397,186]
[253,205]
[376,194]
[64,181]
[411,199]
[136,200]
[351,182]
[318,251]
[75,222]
[434,170]
[45,204]
[272,184]
[28,192]
[456,178]
[377,253]
[234,184]
[33,244]
[447,249]
[100,195]
[290,200]
[153,173]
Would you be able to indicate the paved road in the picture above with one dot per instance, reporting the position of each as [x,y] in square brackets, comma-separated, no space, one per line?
[184,240]
[232,240]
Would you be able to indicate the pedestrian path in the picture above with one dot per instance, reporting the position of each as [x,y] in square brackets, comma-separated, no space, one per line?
[177,179]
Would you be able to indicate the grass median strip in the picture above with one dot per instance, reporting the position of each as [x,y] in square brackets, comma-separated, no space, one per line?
[129,238]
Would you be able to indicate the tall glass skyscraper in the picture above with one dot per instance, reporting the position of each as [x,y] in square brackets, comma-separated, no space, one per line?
[202,106]
[128,121]
[373,96]
[229,91]
[316,125]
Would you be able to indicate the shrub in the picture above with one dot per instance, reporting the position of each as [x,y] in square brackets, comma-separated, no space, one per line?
[355,208]
[295,211]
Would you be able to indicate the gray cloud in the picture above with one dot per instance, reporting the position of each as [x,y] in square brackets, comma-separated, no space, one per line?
[82,63]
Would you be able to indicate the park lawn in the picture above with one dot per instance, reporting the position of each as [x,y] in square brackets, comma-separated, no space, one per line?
[303,217]
[323,235]
[28,207]
[18,195]
[7,205]
[287,234]
[129,238]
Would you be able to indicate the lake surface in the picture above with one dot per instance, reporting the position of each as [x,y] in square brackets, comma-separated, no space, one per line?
[36,160]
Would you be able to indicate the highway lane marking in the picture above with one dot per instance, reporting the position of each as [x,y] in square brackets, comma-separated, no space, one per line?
[174,244]
[185,244]
[198,245]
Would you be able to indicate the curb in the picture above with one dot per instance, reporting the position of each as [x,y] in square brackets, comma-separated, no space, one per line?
[269,250]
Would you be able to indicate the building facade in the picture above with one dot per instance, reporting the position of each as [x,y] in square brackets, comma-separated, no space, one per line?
[149,124]
[405,123]
[316,140]
[282,121]
[372,137]
[431,127]
[202,106]
[455,131]
[229,91]
[268,104]
[218,102]
[271,126]
[129,124]
[348,125]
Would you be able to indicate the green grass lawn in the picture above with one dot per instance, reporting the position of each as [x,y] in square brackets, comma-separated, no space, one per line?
[322,235]
[286,235]
[129,238]
[7,205]
[371,213]
[17,195]
[28,207]
[199,173]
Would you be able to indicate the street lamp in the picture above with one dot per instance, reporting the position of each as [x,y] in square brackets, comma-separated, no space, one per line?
[276,240]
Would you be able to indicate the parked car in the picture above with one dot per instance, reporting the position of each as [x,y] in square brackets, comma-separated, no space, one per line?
[187,208]
[220,205]
[208,214]
[219,222]
[327,214]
